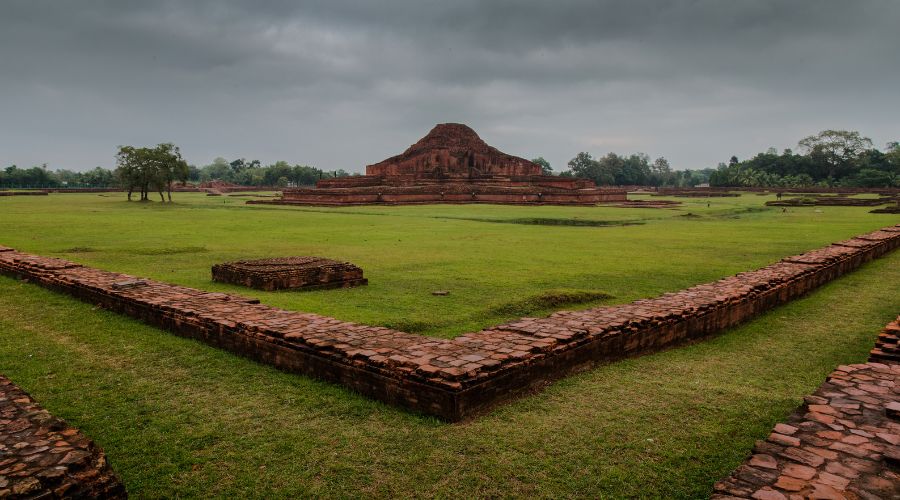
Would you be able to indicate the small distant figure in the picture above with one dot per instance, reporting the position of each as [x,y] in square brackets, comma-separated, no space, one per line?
[707,204]
[784,210]
[778,195]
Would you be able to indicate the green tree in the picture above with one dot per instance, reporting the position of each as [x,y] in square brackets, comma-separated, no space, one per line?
[143,168]
[838,152]
[546,169]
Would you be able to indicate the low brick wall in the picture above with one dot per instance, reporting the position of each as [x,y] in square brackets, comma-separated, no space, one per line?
[43,457]
[841,443]
[453,379]
[447,193]
[23,193]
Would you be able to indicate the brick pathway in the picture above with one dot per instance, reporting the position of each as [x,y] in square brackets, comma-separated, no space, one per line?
[43,457]
[841,443]
[460,377]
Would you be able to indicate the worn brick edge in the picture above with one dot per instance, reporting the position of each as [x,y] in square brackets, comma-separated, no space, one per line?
[842,442]
[41,456]
[454,379]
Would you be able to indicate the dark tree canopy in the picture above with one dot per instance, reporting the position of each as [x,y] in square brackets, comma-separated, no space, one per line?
[146,168]
[829,158]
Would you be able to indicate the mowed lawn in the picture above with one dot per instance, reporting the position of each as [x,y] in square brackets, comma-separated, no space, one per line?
[178,418]
[497,263]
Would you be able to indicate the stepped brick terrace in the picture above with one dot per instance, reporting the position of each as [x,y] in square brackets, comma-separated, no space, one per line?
[284,273]
[451,165]
[43,457]
[458,378]
[841,443]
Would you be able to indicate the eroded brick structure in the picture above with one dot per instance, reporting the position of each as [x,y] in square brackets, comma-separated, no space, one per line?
[43,457]
[451,165]
[887,345]
[283,273]
[455,378]
[841,443]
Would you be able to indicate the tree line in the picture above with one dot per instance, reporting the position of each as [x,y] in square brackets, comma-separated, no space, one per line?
[40,177]
[835,158]
[831,158]
[633,170]
[252,173]
[133,170]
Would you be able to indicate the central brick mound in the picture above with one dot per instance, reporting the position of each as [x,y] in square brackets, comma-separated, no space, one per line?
[841,443]
[43,457]
[288,273]
[451,164]
[459,378]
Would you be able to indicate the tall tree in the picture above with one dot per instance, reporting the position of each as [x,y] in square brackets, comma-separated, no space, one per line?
[156,167]
[838,152]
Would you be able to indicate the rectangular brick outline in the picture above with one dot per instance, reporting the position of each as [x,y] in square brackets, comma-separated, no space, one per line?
[459,378]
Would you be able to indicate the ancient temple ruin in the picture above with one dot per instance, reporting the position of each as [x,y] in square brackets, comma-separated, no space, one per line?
[451,165]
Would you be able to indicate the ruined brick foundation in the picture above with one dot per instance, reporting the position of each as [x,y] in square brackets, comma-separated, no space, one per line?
[453,379]
[284,273]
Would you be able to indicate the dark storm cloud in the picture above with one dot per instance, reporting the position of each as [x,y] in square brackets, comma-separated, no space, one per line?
[342,84]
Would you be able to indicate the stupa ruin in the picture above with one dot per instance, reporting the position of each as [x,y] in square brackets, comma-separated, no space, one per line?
[451,165]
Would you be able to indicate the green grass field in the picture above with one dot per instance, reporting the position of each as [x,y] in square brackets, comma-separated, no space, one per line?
[178,418]
[495,261]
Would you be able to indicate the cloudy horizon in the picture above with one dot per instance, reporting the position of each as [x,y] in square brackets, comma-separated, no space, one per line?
[344,84]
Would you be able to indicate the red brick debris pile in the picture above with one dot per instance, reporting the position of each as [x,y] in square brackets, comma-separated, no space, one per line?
[282,273]
[43,457]
[841,443]
[887,346]
[455,378]
[451,165]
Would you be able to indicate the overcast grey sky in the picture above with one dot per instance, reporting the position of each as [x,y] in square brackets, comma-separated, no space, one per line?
[339,84]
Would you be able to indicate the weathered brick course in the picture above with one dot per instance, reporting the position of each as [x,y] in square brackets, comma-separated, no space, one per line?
[455,378]
[43,457]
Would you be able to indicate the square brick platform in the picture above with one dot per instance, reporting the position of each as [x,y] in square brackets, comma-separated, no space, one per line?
[285,273]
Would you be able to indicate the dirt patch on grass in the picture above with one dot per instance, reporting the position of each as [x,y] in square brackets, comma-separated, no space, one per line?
[168,251]
[538,221]
[413,326]
[551,299]
[79,250]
